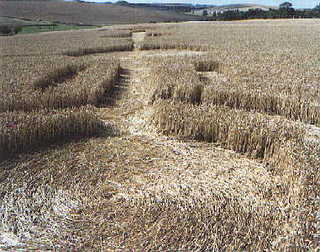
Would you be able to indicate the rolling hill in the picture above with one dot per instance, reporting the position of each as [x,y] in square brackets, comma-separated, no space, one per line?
[245,5]
[87,13]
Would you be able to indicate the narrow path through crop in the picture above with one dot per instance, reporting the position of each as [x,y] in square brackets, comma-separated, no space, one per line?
[196,165]
[199,168]
[182,162]
[137,38]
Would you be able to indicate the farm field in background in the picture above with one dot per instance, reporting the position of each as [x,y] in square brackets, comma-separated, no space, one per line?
[87,13]
[190,136]
[18,21]
[25,26]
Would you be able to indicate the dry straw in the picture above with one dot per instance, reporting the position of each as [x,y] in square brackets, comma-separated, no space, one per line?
[227,114]
[284,212]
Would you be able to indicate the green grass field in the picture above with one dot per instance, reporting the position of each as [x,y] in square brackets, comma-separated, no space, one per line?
[29,26]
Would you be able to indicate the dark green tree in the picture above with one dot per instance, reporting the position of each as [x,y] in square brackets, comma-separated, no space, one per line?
[285,5]
[286,10]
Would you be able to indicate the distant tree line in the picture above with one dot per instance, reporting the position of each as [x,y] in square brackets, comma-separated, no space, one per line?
[285,10]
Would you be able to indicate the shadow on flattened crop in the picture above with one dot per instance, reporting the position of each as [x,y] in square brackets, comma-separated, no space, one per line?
[8,159]
[110,98]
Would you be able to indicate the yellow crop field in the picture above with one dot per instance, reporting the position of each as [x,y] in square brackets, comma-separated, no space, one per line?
[195,136]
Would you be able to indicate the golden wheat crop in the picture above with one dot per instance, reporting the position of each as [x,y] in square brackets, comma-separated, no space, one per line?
[34,83]
[86,51]
[292,107]
[108,33]
[254,134]
[58,76]
[172,44]
[64,42]
[87,87]
[253,94]
[171,76]
[176,81]
[22,131]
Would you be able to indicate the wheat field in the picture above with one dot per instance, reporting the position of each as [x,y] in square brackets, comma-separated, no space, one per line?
[153,138]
